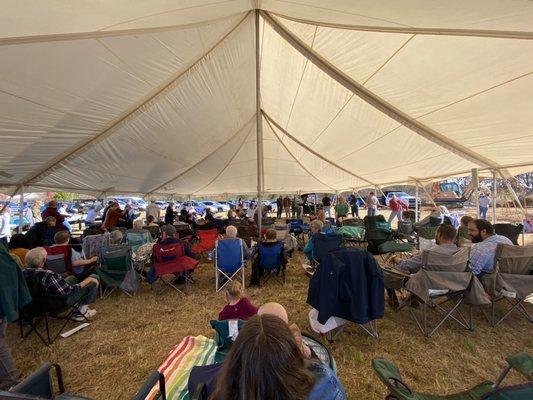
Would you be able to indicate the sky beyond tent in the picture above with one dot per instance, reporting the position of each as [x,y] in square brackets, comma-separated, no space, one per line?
[159,97]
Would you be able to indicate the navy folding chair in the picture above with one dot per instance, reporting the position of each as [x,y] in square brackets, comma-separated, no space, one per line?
[270,261]
[229,262]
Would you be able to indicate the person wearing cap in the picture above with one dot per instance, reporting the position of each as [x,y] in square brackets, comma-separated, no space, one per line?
[51,211]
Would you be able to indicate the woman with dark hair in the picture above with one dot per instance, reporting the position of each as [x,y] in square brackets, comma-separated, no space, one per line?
[265,363]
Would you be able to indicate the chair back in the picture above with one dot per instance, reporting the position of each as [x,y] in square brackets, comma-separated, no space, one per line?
[137,239]
[510,231]
[320,351]
[58,259]
[154,230]
[228,255]
[39,383]
[323,244]
[372,220]
[511,259]
[296,226]
[93,244]
[270,256]
[389,374]
[168,252]
[435,261]
[117,257]
[406,227]
[208,238]
[353,222]
[282,231]
[427,232]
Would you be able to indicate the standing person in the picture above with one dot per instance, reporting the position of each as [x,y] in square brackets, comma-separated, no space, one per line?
[299,207]
[14,295]
[293,207]
[279,204]
[36,210]
[371,204]
[42,233]
[484,203]
[27,214]
[170,214]
[396,207]
[129,216]
[5,224]
[341,209]
[287,206]
[153,210]
[326,205]
[106,209]
[114,213]
[354,207]
[51,211]
[90,218]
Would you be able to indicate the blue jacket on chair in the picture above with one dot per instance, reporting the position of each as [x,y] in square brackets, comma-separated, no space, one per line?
[348,284]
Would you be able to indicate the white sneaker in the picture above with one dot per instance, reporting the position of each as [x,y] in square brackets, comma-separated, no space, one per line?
[81,317]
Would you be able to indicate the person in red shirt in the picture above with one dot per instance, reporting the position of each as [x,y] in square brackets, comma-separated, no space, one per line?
[51,211]
[397,206]
[112,216]
[239,306]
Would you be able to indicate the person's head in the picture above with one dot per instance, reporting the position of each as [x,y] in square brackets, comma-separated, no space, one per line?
[35,258]
[264,363]
[231,232]
[61,237]
[152,201]
[115,237]
[168,231]
[208,210]
[270,235]
[150,219]
[234,291]
[170,204]
[316,226]
[371,194]
[138,224]
[50,221]
[479,230]
[445,234]
[52,204]
[465,220]
[342,200]
[321,216]
[274,309]
[19,241]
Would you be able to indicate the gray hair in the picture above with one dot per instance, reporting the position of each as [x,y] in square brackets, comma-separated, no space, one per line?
[317,224]
[115,237]
[35,258]
[138,223]
[231,231]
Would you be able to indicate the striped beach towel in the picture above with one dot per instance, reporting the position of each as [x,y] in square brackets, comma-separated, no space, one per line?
[190,352]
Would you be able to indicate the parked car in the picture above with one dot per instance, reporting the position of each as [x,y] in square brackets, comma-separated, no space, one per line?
[411,200]
[215,206]
[163,204]
[198,207]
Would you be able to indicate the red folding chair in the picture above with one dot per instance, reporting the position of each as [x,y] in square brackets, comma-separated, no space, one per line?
[170,259]
[208,239]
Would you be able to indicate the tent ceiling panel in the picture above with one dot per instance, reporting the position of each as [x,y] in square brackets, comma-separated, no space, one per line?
[506,15]
[73,16]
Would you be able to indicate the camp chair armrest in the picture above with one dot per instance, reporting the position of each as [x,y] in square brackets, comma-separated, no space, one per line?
[154,378]
[40,381]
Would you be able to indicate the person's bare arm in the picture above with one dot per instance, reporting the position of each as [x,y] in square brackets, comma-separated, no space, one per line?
[81,262]
[88,281]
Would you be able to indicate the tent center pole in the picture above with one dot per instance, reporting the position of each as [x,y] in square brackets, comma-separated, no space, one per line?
[21,209]
[259,127]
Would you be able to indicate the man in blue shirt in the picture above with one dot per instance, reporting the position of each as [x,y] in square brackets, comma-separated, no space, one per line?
[484,248]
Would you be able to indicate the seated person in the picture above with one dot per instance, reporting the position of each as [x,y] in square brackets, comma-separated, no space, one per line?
[269,241]
[137,236]
[279,311]
[266,363]
[209,215]
[232,214]
[55,284]
[74,262]
[42,233]
[239,306]
[444,244]
[150,221]
[463,238]
[483,250]
[316,227]
[231,233]
[203,224]
[18,246]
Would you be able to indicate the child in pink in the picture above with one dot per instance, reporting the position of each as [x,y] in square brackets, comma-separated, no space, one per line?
[239,306]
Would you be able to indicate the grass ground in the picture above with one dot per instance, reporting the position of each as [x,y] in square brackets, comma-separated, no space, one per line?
[130,337]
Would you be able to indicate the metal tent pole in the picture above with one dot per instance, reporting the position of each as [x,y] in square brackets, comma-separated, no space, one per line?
[494,193]
[416,202]
[259,125]
[475,187]
[21,209]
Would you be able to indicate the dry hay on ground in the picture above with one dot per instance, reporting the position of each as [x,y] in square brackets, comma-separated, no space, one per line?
[130,337]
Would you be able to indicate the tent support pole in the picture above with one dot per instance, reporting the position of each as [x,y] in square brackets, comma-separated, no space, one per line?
[259,126]
[494,194]
[416,202]
[21,209]
[425,190]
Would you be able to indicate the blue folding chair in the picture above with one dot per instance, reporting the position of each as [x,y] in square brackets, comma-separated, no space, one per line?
[270,261]
[229,262]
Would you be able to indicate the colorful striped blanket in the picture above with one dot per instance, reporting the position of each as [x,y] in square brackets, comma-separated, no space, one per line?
[191,351]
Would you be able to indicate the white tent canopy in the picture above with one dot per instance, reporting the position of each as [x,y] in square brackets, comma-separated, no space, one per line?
[161,97]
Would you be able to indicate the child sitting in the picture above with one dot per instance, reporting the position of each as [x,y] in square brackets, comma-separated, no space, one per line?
[238,307]
[279,311]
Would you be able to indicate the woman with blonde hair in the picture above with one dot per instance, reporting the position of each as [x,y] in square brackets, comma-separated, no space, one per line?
[239,306]
[341,209]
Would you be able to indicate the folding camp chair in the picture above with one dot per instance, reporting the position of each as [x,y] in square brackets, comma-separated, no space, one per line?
[442,280]
[141,257]
[170,259]
[116,265]
[282,231]
[207,242]
[154,230]
[319,351]
[390,375]
[56,263]
[155,378]
[229,261]
[380,239]
[40,384]
[406,231]
[183,230]
[94,244]
[270,261]
[248,233]
[43,306]
[425,236]
[135,239]
[511,280]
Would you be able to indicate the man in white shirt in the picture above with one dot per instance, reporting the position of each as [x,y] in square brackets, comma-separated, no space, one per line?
[153,210]
[5,220]
[484,203]
[372,204]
